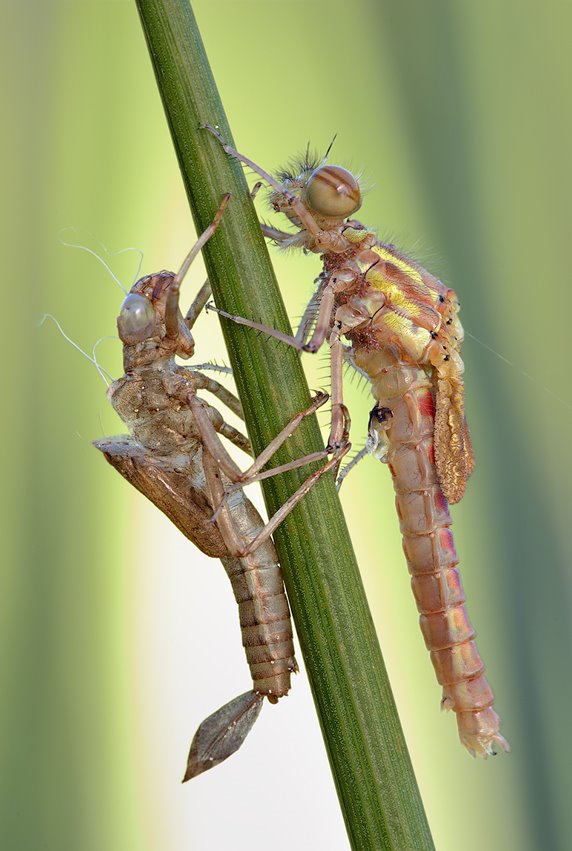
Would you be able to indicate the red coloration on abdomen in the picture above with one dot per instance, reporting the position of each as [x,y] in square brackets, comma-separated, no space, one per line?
[431,557]
[427,405]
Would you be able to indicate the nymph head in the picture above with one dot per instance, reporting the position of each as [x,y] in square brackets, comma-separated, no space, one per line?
[137,320]
[150,322]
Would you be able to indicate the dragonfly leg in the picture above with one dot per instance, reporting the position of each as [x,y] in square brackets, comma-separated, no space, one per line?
[198,304]
[340,423]
[377,443]
[293,500]
[256,188]
[350,466]
[281,438]
[307,484]
[340,415]
[297,341]
[274,234]
[258,326]
[308,317]
[307,220]
[223,516]
[172,312]
[322,301]
[324,320]
[214,445]
[220,461]
[231,401]
[224,520]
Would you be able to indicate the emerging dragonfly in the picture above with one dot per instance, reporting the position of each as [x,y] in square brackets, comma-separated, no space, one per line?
[174,456]
[405,337]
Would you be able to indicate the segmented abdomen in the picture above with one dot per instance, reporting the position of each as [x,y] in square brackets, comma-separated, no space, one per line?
[171,472]
[428,544]
[264,613]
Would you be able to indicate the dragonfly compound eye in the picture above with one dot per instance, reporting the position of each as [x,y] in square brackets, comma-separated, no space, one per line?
[136,319]
[333,191]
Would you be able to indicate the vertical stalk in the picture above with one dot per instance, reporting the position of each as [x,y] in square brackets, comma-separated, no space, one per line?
[371,767]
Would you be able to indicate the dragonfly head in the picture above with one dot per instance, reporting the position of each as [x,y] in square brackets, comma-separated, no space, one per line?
[330,193]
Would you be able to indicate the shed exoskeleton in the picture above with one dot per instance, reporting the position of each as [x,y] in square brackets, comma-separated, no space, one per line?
[174,456]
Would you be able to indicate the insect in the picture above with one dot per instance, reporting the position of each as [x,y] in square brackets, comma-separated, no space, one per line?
[175,457]
[405,336]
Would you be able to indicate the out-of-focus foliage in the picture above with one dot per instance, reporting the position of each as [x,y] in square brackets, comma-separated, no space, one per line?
[459,117]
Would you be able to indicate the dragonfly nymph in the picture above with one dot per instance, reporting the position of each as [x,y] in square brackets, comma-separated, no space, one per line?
[174,456]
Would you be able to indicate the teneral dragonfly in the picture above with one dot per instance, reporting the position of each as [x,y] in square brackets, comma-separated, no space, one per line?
[405,336]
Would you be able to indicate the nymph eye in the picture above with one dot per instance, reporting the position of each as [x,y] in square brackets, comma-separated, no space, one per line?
[136,319]
[333,191]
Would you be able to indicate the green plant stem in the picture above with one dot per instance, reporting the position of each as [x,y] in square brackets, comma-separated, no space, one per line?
[371,767]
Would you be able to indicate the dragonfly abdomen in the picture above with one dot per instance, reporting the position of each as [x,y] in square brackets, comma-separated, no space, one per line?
[425,524]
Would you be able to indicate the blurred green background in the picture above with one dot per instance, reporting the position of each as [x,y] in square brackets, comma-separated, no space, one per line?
[116,639]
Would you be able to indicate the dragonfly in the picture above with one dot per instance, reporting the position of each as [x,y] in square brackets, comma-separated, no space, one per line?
[404,335]
[173,455]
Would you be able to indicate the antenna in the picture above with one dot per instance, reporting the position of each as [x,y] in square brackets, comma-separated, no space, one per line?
[330,147]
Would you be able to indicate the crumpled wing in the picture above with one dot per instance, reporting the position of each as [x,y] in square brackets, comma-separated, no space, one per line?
[454,459]
[170,491]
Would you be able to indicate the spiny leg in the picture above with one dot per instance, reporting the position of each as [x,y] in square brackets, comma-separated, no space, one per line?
[231,401]
[223,514]
[198,304]
[220,461]
[293,500]
[258,326]
[325,297]
[308,317]
[377,442]
[172,312]
[340,422]
[274,233]
[324,320]
[217,450]
[326,306]
[307,220]
[359,456]
[224,521]
[340,415]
